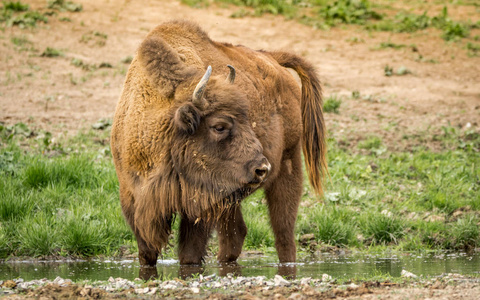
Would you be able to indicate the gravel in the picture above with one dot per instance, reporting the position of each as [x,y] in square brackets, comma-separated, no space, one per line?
[324,287]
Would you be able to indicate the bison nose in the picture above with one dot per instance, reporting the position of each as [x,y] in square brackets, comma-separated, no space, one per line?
[260,172]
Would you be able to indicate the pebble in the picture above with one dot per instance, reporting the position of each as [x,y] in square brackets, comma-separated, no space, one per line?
[326,277]
[407,274]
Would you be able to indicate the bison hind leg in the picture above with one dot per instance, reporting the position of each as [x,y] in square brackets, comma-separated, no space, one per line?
[283,198]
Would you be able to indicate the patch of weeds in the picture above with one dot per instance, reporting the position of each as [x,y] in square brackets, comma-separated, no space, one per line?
[348,12]
[15,6]
[473,49]
[7,132]
[408,22]
[81,64]
[332,104]
[127,60]
[241,13]
[355,40]
[420,58]
[22,42]
[402,22]
[330,225]
[196,3]
[454,30]
[98,38]
[389,71]
[276,7]
[451,30]
[37,237]
[63,5]
[102,124]
[355,94]
[65,19]
[105,65]
[383,228]
[385,45]
[27,19]
[374,144]
[51,52]
[465,233]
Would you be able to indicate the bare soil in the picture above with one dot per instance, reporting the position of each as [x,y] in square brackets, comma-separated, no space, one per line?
[51,93]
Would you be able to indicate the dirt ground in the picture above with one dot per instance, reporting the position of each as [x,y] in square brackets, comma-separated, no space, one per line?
[51,93]
[405,111]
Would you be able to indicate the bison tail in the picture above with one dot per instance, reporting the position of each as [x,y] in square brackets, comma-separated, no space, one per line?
[314,131]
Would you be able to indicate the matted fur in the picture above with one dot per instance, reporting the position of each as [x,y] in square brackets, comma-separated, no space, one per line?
[173,156]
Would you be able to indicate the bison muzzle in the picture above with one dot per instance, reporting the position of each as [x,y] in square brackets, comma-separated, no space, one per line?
[199,126]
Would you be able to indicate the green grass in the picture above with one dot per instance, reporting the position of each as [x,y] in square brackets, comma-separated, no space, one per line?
[332,104]
[61,197]
[58,198]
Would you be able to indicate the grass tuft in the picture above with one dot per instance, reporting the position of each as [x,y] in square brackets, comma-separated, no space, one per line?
[332,104]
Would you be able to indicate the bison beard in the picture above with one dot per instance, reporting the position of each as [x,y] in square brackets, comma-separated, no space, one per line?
[201,125]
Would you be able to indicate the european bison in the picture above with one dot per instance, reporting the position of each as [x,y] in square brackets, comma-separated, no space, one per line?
[201,125]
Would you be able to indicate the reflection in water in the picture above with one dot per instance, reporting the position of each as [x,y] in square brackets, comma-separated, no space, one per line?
[148,273]
[337,267]
[187,271]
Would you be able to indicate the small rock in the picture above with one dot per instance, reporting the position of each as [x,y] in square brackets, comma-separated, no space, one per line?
[195,290]
[85,292]
[260,280]
[280,281]
[306,238]
[305,281]
[326,277]
[352,286]
[278,296]
[142,290]
[9,284]
[59,280]
[296,296]
[170,286]
[153,291]
[407,274]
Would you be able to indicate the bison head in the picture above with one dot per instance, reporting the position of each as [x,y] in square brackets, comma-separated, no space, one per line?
[215,152]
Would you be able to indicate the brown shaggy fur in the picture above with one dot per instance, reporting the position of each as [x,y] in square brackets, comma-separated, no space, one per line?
[198,161]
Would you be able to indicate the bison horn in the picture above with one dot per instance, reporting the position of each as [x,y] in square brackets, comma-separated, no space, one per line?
[231,75]
[200,88]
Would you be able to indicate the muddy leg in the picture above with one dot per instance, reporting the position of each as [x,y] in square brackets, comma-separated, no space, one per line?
[192,241]
[146,255]
[231,234]
[283,198]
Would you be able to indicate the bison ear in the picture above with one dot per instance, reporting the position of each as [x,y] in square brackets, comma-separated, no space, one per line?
[187,118]
[163,64]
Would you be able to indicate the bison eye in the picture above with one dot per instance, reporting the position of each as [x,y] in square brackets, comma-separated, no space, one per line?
[219,128]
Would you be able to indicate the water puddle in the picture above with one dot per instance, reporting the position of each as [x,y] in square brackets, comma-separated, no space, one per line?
[337,267]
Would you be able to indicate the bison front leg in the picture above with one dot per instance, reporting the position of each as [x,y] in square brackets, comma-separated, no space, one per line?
[193,240]
[147,255]
[231,234]
[283,198]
